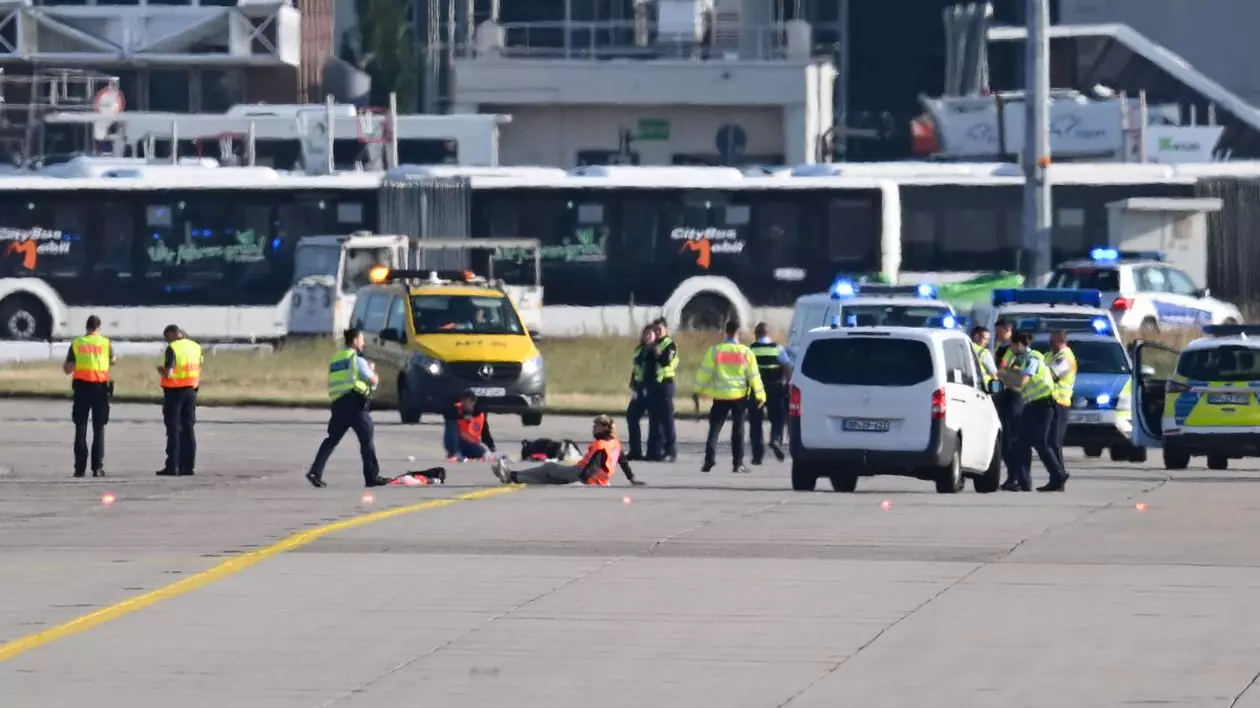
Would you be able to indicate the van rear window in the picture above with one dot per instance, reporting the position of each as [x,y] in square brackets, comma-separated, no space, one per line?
[1086,278]
[867,361]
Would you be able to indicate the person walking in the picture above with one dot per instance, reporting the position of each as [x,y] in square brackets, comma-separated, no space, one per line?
[773,365]
[729,376]
[351,380]
[661,392]
[88,361]
[1063,369]
[1034,380]
[642,375]
[180,377]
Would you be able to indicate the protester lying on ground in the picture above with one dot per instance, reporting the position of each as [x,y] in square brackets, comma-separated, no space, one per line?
[596,468]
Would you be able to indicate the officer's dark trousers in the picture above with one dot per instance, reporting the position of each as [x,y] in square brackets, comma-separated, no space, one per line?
[1059,432]
[1037,426]
[721,410]
[179,412]
[662,438]
[635,411]
[775,411]
[1009,407]
[549,473]
[350,412]
[91,400]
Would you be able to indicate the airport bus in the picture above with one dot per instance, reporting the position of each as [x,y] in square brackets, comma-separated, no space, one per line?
[153,244]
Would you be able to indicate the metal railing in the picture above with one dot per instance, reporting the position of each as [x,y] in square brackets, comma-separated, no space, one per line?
[639,40]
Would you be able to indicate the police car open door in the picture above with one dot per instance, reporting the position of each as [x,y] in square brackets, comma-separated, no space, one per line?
[1153,365]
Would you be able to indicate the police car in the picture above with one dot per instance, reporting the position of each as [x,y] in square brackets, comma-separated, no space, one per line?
[1144,293]
[1065,306]
[1102,398]
[870,305]
[1202,400]
[904,401]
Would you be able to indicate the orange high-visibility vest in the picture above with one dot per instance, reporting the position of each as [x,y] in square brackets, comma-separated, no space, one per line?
[187,370]
[91,358]
[470,428]
[603,476]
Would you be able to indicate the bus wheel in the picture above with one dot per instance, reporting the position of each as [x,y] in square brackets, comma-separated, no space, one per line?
[707,312]
[23,318]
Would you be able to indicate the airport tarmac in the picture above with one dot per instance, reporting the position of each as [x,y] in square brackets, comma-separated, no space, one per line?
[1135,587]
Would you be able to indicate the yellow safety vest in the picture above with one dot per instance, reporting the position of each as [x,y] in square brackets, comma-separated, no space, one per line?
[1040,385]
[984,373]
[636,372]
[1008,358]
[187,370]
[343,375]
[91,358]
[670,371]
[729,373]
[1063,385]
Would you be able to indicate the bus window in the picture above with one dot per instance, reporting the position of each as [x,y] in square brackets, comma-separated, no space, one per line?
[854,234]
[777,253]
[39,239]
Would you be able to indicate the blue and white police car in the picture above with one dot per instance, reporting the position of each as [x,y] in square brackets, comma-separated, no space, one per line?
[871,305]
[1143,292]
[1029,304]
[1101,417]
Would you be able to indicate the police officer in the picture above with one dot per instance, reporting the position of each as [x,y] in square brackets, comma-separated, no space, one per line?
[1063,369]
[1009,403]
[661,397]
[772,365]
[180,374]
[351,380]
[980,345]
[729,376]
[1036,422]
[88,362]
[642,372]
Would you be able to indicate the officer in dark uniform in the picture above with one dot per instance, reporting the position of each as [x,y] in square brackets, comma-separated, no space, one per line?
[88,362]
[1009,403]
[643,371]
[772,363]
[661,397]
[351,380]
[180,373]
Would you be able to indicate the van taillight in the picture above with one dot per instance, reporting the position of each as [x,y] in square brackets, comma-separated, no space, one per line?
[938,404]
[794,401]
[1121,304]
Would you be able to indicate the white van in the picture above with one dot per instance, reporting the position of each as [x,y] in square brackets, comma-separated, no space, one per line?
[871,305]
[905,401]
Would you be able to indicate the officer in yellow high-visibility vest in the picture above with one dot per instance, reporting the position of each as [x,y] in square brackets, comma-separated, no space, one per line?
[729,376]
[351,380]
[980,345]
[180,373]
[662,439]
[88,362]
[1036,423]
[642,371]
[773,365]
[1063,369]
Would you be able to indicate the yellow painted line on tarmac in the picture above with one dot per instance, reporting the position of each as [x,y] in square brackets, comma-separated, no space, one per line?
[228,568]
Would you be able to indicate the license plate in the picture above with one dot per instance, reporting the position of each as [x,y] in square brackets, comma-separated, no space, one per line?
[863,425]
[1227,399]
[1084,418]
[490,392]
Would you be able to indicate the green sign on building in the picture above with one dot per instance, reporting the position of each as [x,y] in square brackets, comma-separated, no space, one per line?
[653,129]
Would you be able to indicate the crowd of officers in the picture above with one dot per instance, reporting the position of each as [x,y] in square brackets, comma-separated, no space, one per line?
[747,384]
[1034,404]
[88,363]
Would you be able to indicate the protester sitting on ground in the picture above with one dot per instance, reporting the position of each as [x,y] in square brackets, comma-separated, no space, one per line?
[596,468]
[467,434]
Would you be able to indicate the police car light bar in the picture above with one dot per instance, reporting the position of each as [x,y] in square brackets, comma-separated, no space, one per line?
[384,274]
[923,290]
[842,289]
[1046,296]
[1096,325]
[943,321]
[1232,330]
[1111,255]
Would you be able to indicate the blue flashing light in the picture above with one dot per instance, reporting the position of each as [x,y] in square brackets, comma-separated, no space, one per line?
[1097,325]
[1101,325]
[962,322]
[948,322]
[842,289]
[835,322]
[1112,255]
[1103,400]
[926,291]
[1046,296]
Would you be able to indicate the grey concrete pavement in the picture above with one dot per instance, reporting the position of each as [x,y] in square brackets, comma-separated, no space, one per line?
[698,590]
